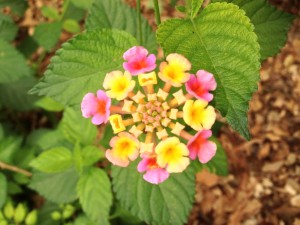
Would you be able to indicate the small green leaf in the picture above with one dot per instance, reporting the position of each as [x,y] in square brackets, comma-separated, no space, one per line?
[220,40]
[58,187]
[81,65]
[47,34]
[3,189]
[54,160]
[116,14]
[76,128]
[83,4]
[193,7]
[271,25]
[49,104]
[8,29]
[91,154]
[12,63]
[9,147]
[71,26]
[95,195]
[50,12]
[167,203]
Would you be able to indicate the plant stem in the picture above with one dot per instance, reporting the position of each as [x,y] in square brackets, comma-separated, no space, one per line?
[157,13]
[5,166]
[139,21]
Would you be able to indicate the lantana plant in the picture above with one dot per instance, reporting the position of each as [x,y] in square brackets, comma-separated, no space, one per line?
[150,124]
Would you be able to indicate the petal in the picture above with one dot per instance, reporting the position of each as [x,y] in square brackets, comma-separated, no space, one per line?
[179,166]
[207,151]
[209,117]
[156,176]
[98,119]
[89,105]
[142,166]
[135,51]
[206,79]
[115,160]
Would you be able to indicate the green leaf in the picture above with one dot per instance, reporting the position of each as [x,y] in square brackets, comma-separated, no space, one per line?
[95,195]
[73,12]
[116,14]
[77,157]
[81,65]
[193,7]
[28,46]
[58,187]
[83,220]
[3,189]
[271,25]
[8,29]
[13,189]
[71,26]
[9,147]
[218,164]
[12,63]
[53,161]
[15,95]
[77,128]
[83,4]
[49,104]
[91,154]
[220,40]
[17,6]
[167,203]
[44,215]
[50,12]
[47,34]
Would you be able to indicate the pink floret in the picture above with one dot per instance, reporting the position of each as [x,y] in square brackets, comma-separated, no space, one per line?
[154,174]
[97,107]
[137,60]
[200,85]
[201,147]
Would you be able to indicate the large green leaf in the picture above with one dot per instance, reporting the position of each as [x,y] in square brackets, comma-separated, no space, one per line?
[58,187]
[3,189]
[76,128]
[47,34]
[116,14]
[95,195]
[8,29]
[220,40]
[167,203]
[53,160]
[80,66]
[12,63]
[271,25]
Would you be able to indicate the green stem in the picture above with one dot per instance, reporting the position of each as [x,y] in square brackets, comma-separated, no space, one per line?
[139,21]
[157,13]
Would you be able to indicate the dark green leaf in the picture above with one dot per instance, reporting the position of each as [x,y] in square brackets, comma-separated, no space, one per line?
[8,29]
[58,188]
[12,63]
[116,14]
[81,65]
[220,40]
[167,203]
[17,6]
[3,189]
[95,195]
[271,25]
[9,147]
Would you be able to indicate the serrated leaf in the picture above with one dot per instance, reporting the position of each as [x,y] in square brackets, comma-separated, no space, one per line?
[58,187]
[193,7]
[53,161]
[15,95]
[95,195]
[81,65]
[17,6]
[116,14]
[8,29]
[167,203]
[71,26]
[3,189]
[12,63]
[220,40]
[47,34]
[76,128]
[218,164]
[271,25]
[49,104]
[91,154]
[50,12]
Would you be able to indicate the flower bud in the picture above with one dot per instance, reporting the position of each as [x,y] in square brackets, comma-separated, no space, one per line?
[68,211]
[8,210]
[31,218]
[20,213]
[56,215]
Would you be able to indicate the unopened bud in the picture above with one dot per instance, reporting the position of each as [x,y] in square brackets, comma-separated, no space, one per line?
[20,213]
[68,211]
[8,210]
[31,218]
[56,215]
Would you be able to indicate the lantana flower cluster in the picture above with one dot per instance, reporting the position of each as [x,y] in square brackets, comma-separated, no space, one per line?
[151,120]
